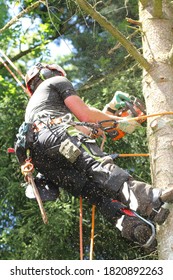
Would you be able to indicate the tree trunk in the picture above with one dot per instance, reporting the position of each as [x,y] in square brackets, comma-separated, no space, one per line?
[157,35]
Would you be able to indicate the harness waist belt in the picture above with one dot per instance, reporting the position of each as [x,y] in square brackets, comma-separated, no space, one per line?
[50,121]
[39,125]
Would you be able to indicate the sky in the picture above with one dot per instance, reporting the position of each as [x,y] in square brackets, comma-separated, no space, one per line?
[64,47]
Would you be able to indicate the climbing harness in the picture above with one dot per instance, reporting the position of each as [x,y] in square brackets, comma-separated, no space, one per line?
[101,125]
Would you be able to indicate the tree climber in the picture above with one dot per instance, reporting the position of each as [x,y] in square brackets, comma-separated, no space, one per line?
[66,154]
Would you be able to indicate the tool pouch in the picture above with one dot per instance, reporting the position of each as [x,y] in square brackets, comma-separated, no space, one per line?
[25,139]
[69,150]
[25,136]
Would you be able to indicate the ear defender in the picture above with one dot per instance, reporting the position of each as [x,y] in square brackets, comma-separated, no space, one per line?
[46,73]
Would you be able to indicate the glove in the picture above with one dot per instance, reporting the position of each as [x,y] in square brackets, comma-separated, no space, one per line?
[128,126]
[118,101]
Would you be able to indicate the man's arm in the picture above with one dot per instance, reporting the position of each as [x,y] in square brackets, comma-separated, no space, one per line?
[85,113]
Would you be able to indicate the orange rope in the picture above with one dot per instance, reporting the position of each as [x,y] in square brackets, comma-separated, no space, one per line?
[92,232]
[13,75]
[133,155]
[11,72]
[147,116]
[12,64]
[80,229]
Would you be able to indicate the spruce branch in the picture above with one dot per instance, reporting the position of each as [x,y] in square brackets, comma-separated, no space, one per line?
[133,21]
[16,18]
[83,4]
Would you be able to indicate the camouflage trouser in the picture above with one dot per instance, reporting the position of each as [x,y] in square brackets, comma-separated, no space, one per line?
[77,164]
[56,150]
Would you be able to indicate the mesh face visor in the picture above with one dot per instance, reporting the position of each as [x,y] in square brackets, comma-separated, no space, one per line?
[32,84]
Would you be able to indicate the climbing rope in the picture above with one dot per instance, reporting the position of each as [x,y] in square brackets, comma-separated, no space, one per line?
[80,228]
[92,232]
[11,72]
[132,155]
[12,64]
[144,117]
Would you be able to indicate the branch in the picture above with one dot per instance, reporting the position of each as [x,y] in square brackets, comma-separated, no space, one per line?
[114,32]
[133,21]
[144,3]
[117,46]
[157,8]
[25,11]
[101,79]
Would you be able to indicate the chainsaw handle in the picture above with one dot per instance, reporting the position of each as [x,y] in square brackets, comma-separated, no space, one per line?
[130,106]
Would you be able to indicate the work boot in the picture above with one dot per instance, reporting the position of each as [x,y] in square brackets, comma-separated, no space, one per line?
[139,232]
[167,195]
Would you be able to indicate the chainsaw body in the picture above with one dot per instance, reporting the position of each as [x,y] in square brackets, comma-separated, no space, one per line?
[132,108]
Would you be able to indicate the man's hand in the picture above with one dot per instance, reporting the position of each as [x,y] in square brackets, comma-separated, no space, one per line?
[128,126]
[118,101]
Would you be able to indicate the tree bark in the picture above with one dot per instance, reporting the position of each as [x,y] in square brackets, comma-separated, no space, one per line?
[157,30]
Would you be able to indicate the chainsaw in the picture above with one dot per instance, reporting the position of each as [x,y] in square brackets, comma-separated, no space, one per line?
[132,108]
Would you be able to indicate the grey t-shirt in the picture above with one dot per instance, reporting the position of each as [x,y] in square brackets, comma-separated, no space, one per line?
[48,99]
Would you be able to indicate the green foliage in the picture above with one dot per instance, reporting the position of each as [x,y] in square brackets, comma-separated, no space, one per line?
[98,67]
[54,240]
